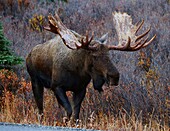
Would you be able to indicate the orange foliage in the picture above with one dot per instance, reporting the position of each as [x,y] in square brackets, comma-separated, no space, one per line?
[9,80]
[23,3]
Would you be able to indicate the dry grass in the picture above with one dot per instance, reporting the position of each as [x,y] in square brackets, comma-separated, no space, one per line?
[19,107]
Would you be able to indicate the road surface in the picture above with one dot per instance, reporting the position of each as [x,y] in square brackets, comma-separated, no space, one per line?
[26,127]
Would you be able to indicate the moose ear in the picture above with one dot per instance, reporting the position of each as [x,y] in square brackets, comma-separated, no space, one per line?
[104,38]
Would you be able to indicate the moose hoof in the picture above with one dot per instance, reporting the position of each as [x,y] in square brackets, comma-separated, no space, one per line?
[65,120]
[77,123]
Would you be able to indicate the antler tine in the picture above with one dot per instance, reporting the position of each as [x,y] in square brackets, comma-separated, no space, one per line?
[146,44]
[137,23]
[91,37]
[140,45]
[127,45]
[52,25]
[138,28]
[87,38]
[57,17]
[87,41]
[52,20]
[142,35]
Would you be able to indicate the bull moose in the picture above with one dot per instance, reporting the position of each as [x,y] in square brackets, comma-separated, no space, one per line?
[70,61]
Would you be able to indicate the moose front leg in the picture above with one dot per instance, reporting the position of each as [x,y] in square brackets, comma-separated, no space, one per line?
[38,91]
[77,100]
[63,100]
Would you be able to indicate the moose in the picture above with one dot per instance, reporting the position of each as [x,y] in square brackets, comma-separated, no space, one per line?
[70,61]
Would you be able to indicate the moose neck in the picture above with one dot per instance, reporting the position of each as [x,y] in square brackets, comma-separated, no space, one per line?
[79,61]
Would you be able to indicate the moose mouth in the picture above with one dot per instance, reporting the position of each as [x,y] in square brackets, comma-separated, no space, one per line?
[112,80]
[107,86]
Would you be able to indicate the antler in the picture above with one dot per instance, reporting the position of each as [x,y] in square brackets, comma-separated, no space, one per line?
[128,40]
[69,37]
[85,42]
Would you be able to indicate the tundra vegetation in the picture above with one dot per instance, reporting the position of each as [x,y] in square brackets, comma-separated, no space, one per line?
[140,102]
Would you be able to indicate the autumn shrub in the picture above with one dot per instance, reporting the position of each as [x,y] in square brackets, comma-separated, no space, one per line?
[9,80]
[37,22]
[16,92]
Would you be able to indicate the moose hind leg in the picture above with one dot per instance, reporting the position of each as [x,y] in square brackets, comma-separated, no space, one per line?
[38,91]
[63,100]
